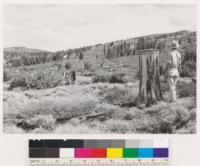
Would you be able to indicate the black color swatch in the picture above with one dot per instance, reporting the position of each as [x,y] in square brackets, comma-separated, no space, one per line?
[36,153]
[52,143]
[36,143]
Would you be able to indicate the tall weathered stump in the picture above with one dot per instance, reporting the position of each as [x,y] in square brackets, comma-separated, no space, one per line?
[149,77]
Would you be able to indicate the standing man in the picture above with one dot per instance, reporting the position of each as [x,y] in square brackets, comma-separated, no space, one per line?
[174,65]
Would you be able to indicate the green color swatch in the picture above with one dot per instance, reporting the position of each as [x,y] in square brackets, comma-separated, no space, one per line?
[130,152]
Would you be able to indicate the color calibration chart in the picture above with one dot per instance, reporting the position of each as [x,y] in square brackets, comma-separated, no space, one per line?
[53,152]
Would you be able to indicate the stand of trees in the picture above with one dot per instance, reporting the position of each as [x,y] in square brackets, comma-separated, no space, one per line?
[78,51]
[27,58]
[118,50]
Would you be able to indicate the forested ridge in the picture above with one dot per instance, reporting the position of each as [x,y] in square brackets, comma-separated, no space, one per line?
[22,56]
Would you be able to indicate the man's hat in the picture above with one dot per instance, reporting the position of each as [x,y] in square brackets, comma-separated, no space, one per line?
[174,44]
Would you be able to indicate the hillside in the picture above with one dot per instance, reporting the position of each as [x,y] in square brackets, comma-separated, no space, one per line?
[115,57]
[131,45]
[105,100]
[109,50]
[22,50]
[20,56]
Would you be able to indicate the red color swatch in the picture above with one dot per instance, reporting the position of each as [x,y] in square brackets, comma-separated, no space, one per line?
[98,153]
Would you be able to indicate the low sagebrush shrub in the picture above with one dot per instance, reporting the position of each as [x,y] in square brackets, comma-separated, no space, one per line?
[186,89]
[117,78]
[20,81]
[118,95]
[43,121]
[62,109]
[188,69]
[101,77]
[108,77]
[36,81]
[6,76]
[68,65]
[105,111]
[87,65]
[117,126]
[47,80]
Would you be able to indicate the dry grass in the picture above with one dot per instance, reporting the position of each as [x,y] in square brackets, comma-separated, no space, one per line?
[94,108]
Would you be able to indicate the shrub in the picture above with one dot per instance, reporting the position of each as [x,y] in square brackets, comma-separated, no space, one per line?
[188,69]
[106,111]
[118,95]
[43,121]
[75,122]
[81,129]
[170,119]
[133,113]
[38,80]
[84,80]
[62,109]
[190,127]
[129,78]
[101,77]
[6,77]
[107,77]
[162,118]
[87,65]
[19,81]
[68,65]
[116,78]
[186,89]
[47,80]
[117,126]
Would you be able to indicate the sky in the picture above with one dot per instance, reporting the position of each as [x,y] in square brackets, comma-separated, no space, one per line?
[57,27]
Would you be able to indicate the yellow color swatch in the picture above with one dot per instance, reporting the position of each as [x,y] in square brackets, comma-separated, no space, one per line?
[114,153]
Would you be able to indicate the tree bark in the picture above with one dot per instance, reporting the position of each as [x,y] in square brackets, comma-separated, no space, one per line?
[149,77]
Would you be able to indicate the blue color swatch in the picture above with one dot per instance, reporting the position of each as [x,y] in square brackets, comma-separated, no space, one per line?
[145,152]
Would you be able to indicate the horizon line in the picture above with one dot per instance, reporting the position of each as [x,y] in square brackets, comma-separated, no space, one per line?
[99,43]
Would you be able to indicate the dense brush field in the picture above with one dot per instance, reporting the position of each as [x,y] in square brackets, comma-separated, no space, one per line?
[37,100]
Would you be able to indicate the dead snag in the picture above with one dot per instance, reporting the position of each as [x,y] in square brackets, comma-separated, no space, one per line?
[73,77]
[149,77]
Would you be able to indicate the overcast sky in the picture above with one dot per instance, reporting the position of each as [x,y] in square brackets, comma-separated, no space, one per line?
[57,27]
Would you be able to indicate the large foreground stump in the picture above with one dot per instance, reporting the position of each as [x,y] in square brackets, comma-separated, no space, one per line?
[149,77]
